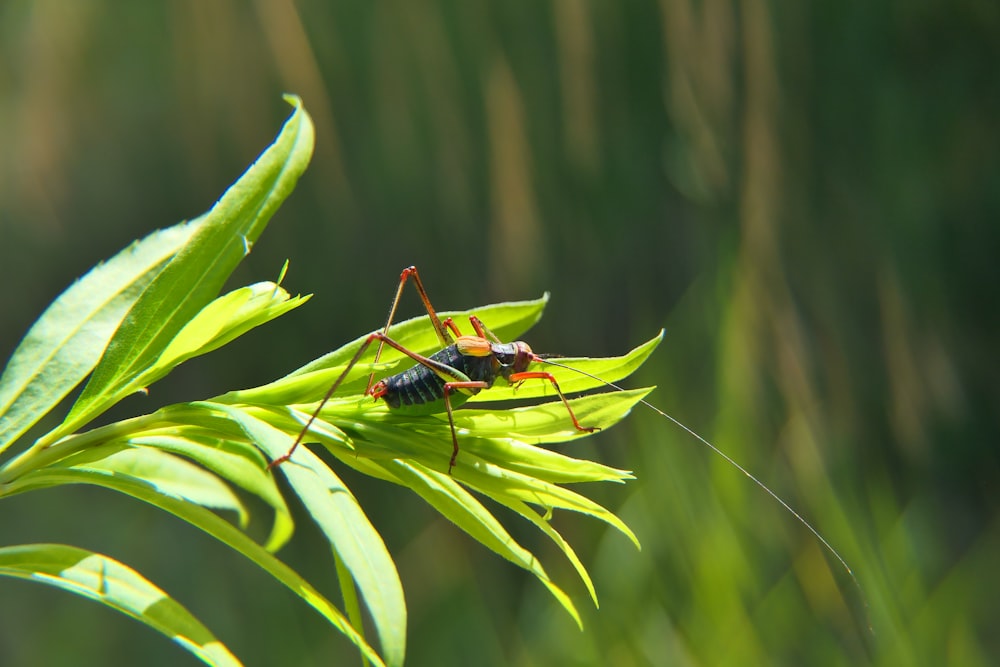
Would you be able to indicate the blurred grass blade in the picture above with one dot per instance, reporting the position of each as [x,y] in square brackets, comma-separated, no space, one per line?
[336,511]
[194,276]
[117,586]
[65,343]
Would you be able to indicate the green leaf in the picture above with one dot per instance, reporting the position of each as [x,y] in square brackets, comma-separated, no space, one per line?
[166,473]
[194,276]
[117,586]
[550,422]
[508,486]
[336,511]
[311,381]
[445,494]
[218,323]
[504,436]
[238,462]
[542,523]
[207,521]
[507,320]
[64,344]
[609,369]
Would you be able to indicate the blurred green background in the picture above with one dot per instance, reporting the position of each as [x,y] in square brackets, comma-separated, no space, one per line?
[806,195]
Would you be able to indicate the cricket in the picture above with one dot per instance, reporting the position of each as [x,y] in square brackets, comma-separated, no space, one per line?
[469,364]
[465,366]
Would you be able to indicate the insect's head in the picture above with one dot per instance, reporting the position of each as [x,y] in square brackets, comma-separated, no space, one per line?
[513,357]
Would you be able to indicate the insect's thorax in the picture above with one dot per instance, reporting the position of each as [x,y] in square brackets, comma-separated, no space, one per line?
[480,369]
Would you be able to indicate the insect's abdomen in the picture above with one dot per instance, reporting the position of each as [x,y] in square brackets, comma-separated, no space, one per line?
[419,385]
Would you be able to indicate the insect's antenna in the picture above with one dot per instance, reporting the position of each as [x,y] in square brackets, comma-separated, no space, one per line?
[822,540]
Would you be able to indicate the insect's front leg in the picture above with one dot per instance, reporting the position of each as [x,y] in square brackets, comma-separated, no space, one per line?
[518,378]
[440,328]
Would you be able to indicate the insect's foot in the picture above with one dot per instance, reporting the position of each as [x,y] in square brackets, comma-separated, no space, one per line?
[278,461]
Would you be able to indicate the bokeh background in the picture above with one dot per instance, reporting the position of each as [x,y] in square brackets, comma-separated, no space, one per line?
[805,195]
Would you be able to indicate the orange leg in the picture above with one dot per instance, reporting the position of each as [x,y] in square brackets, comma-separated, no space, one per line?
[305,429]
[377,391]
[481,329]
[517,378]
[439,327]
[448,388]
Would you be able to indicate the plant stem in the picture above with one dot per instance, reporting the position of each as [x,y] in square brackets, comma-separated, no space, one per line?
[42,453]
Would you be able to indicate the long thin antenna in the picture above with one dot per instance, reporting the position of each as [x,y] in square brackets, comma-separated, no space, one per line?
[732,462]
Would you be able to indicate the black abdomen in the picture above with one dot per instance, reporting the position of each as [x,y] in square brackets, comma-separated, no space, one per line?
[419,385]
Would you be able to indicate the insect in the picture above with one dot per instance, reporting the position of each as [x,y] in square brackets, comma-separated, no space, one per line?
[464,367]
[469,364]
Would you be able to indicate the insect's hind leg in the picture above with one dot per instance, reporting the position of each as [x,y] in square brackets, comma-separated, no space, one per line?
[454,380]
[305,429]
[441,328]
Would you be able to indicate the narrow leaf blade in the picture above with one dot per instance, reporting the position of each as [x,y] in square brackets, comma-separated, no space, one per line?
[196,273]
[117,586]
[334,508]
[209,522]
[65,343]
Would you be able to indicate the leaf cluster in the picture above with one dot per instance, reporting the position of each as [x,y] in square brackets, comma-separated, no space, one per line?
[156,304]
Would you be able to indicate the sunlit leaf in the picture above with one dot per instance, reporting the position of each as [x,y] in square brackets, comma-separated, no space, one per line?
[343,522]
[221,321]
[195,274]
[167,474]
[609,369]
[207,521]
[453,501]
[507,320]
[64,344]
[237,462]
[117,586]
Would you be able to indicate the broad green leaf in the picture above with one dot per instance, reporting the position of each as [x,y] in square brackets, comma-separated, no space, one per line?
[311,382]
[194,276]
[506,320]
[224,319]
[207,521]
[505,437]
[550,422]
[289,390]
[609,369]
[336,511]
[64,344]
[115,585]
